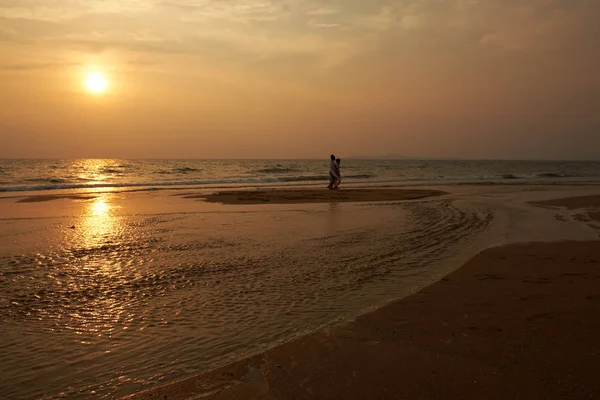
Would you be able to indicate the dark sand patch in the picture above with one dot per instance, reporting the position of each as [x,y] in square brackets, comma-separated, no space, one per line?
[559,217]
[590,206]
[595,216]
[50,197]
[299,196]
[572,203]
[520,321]
[581,217]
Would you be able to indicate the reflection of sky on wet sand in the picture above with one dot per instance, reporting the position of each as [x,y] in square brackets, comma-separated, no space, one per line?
[96,266]
[132,296]
[98,224]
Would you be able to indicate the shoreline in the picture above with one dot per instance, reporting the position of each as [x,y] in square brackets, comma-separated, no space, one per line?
[306,196]
[412,244]
[506,324]
[447,335]
[263,196]
[91,192]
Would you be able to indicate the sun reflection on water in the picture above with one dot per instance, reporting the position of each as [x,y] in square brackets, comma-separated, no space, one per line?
[99,270]
[100,207]
[98,225]
[95,171]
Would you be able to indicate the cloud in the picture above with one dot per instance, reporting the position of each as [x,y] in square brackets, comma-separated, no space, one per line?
[30,67]
[323,11]
[543,25]
[377,61]
[7,33]
[382,21]
[334,32]
[322,25]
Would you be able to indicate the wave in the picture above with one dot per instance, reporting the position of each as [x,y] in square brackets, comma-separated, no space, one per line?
[111,171]
[158,184]
[249,181]
[553,175]
[185,170]
[177,171]
[541,175]
[64,184]
[275,170]
[52,180]
[360,176]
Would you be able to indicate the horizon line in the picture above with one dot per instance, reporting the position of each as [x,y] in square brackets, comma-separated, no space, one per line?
[360,158]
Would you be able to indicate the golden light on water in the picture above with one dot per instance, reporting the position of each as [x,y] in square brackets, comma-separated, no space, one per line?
[96,82]
[99,208]
[98,225]
[93,170]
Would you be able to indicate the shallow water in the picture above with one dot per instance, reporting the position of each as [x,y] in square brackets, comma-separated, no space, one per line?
[105,297]
[124,301]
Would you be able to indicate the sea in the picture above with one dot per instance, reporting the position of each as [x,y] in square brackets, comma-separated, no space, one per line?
[43,175]
[134,284]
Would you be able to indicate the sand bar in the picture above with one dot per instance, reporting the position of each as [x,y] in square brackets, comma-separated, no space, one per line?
[518,321]
[298,196]
[572,203]
[590,205]
[51,197]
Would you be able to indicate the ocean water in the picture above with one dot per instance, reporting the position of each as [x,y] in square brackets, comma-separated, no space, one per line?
[38,175]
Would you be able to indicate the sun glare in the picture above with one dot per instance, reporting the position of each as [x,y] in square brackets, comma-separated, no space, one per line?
[96,82]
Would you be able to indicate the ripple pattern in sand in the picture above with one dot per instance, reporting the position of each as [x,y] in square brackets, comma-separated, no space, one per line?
[151,299]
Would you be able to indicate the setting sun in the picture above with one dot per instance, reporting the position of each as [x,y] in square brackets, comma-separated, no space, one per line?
[96,82]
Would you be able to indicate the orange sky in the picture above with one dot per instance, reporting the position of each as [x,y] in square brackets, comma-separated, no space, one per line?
[301,78]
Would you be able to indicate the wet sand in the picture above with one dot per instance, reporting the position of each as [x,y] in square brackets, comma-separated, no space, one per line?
[518,321]
[301,196]
[588,207]
[271,196]
[514,322]
[572,203]
[50,197]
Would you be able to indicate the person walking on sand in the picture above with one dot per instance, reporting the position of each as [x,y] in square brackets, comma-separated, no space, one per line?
[338,173]
[333,176]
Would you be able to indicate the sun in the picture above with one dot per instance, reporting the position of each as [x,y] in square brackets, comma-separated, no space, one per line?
[96,82]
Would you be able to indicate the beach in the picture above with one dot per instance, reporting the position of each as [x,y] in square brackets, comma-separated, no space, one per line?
[279,200]
[305,196]
[516,321]
[312,294]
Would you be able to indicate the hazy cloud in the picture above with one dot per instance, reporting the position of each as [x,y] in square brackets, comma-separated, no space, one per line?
[388,61]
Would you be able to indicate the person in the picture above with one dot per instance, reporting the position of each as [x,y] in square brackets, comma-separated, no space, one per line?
[338,174]
[333,176]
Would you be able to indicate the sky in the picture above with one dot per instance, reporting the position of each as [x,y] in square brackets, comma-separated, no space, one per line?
[514,79]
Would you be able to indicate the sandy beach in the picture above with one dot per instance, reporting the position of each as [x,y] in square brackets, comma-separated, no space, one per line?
[273,196]
[304,196]
[43,198]
[572,203]
[516,321]
[162,292]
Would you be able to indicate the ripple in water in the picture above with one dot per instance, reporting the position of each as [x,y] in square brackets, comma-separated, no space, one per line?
[120,304]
